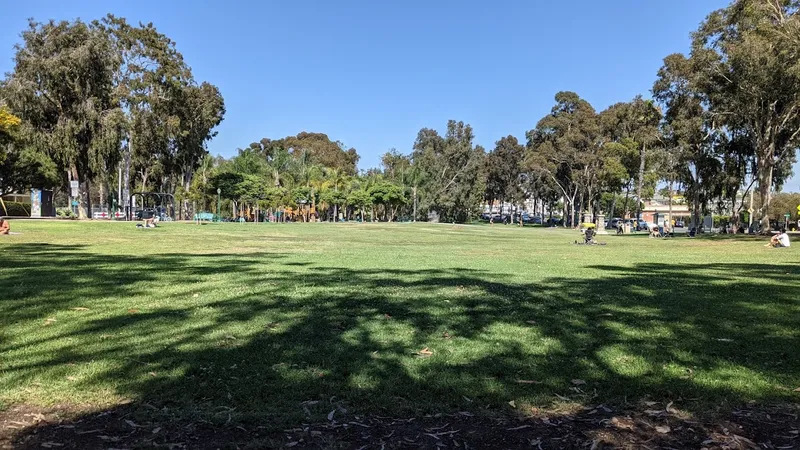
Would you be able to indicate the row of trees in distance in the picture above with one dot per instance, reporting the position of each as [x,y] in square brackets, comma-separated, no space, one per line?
[723,120]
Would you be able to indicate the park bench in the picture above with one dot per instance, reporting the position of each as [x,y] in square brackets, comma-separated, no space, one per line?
[204,217]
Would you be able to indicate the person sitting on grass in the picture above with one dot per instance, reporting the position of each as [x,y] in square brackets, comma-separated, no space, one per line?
[655,231]
[152,222]
[5,227]
[588,236]
[779,240]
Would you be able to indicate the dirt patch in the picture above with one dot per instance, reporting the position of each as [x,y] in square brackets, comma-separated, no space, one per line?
[138,426]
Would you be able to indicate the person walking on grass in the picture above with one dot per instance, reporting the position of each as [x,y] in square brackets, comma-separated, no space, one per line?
[779,240]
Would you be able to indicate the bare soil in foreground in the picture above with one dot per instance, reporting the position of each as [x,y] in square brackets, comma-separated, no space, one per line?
[658,427]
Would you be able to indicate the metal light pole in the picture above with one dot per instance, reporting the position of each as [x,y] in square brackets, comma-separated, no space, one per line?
[219,191]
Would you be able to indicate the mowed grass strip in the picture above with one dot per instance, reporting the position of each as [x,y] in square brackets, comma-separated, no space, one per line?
[278,322]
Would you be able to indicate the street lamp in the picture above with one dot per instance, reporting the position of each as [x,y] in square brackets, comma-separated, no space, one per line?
[219,191]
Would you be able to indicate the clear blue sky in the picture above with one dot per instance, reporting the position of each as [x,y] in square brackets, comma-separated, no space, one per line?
[372,73]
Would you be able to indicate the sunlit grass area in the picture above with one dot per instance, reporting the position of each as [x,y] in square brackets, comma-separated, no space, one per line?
[278,322]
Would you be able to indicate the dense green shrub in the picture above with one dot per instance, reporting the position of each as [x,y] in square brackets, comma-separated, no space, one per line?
[65,213]
[721,220]
[16,209]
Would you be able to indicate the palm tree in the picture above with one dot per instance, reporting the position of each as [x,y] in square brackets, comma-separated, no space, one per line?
[308,174]
[280,165]
[336,180]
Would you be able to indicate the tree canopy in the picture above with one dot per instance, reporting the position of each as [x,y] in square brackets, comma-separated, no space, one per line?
[107,101]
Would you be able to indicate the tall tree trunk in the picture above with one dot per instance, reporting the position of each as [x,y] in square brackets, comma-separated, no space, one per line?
[625,203]
[572,208]
[613,206]
[126,180]
[187,184]
[86,196]
[696,209]
[82,194]
[640,182]
[765,170]
[103,190]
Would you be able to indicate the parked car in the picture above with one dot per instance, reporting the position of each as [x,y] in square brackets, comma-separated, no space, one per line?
[495,218]
[646,226]
[613,222]
[527,218]
[554,222]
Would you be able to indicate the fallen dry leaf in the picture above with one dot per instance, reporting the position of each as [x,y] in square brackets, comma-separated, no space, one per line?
[133,311]
[513,404]
[51,444]
[330,415]
[531,322]
[152,374]
[71,378]
[528,382]
[80,308]
[196,295]
[663,429]
[50,321]
[131,423]
[425,352]
[156,430]
[387,316]
[578,382]
[797,390]
[622,423]
[653,412]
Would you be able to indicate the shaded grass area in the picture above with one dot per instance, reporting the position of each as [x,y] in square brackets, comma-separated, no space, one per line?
[285,323]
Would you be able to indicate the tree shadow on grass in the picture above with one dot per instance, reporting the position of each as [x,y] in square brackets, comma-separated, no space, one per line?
[278,343]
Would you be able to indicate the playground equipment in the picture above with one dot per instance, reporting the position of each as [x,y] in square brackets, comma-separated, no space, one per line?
[160,204]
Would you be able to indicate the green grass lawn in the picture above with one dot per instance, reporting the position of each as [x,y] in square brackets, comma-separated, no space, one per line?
[278,322]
